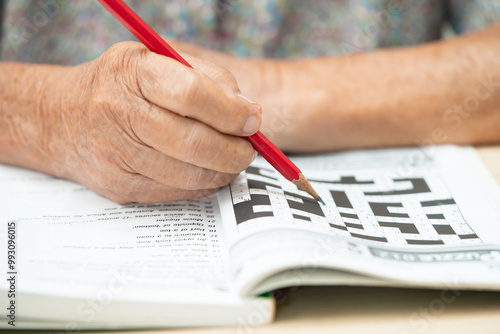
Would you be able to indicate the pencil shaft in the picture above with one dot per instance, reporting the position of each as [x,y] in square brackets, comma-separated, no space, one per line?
[141,29]
[274,156]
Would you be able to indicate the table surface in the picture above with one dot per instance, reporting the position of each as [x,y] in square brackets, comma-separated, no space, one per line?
[379,310]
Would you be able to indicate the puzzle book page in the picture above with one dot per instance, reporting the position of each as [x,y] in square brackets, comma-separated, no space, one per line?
[396,205]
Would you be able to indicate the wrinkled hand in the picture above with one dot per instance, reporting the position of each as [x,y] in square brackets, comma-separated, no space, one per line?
[135,126]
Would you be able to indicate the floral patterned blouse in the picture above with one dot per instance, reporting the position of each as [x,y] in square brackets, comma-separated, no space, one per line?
[72,32]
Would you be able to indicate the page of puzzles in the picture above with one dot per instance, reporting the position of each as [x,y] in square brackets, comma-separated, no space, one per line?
[368,205]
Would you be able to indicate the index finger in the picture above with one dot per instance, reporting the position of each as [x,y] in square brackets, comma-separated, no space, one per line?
[190,93]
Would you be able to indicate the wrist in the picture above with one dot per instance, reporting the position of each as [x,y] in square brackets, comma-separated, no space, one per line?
[29,103]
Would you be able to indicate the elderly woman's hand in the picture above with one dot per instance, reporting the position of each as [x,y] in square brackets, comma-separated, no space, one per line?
[135,126]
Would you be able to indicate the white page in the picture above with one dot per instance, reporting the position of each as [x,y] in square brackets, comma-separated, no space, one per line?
[76,244]
[405,214]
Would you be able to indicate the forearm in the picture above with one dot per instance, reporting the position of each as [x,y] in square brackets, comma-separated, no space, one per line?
[26,99]
[429,94]
[444,92]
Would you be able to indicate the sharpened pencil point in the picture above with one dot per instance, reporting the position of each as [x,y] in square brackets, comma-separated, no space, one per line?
[303,184]
[321,201]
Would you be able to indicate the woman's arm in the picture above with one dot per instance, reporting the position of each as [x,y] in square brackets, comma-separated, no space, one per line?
[442,92]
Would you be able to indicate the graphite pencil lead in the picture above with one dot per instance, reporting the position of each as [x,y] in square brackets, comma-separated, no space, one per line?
[321,201]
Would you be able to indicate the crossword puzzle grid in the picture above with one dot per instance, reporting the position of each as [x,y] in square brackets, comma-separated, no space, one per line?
[416,211]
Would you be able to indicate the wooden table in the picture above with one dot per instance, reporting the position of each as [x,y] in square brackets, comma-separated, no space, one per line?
[379,310]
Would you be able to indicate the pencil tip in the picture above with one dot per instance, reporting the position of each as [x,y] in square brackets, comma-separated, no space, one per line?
[303,184]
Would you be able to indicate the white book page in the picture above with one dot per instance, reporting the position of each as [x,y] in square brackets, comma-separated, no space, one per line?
[414,215]
[73,243]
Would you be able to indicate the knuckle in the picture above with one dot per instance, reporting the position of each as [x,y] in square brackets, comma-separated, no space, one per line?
[223,76]
[200,146]
[198,178]
[201,178]
[223,179]
[243,157]
[189,90]
[121,51]
[115,50]
[121,62]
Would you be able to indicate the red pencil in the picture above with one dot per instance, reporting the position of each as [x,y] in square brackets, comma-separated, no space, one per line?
[156,44]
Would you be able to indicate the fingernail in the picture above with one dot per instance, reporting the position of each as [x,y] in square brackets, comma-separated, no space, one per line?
[252,124]
[246,98]
[255,104]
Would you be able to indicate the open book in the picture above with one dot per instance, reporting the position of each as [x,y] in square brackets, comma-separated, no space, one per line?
[397,217]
